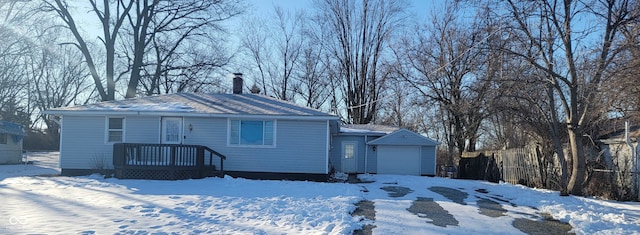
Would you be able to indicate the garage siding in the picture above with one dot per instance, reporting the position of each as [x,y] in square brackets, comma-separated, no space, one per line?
[428,163]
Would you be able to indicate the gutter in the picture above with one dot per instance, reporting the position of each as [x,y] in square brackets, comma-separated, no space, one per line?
[189,114]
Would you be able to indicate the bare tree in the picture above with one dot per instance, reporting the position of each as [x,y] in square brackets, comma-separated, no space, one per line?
[623,92]
[453,66]
[361,31]
[111,15]
[288,45]
[276,51]
[175,22]
[254,41]
[313,84]
[59,79]
[170,39]
[14,53]
[572,62]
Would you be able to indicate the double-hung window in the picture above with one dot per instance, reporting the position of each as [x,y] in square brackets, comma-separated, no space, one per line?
[115,129]
[3,138]
[251,133]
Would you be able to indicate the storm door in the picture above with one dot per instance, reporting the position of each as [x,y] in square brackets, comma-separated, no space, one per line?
[171,130]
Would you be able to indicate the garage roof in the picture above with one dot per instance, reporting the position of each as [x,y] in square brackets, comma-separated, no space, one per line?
[404,137]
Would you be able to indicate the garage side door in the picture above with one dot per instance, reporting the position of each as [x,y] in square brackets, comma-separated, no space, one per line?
[399,160]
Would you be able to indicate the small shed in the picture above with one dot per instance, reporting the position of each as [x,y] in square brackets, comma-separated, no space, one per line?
[11,136]
[406,153]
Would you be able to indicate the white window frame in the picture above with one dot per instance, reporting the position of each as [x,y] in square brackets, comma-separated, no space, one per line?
[107,130]
[229,144]
[354,150]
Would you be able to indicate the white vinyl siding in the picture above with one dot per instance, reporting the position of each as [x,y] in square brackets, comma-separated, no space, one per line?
[82,142]
[299,146]
[251,133]
[10,149]
[83,139]
[115,129]
[142,129]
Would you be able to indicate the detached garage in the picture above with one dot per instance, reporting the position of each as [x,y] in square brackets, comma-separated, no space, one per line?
[358,149]
[404,152]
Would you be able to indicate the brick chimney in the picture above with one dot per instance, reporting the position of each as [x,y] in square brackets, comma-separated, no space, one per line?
[237,83]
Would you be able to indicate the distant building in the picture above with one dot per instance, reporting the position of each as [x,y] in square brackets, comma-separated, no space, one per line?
[11,136]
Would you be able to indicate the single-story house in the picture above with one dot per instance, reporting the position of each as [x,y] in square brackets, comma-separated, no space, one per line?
[251,135]
[11,136]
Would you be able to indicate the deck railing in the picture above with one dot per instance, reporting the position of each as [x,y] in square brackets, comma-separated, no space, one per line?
[176,160]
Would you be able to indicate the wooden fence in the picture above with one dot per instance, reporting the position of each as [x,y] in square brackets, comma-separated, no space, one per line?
[610,169]
[516,166]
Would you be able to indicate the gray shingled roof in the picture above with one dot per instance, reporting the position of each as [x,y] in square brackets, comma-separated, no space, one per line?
[404,137]
[196,104]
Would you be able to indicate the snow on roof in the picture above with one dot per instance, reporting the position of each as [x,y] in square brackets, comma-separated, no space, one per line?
[197,104]
[175,107]
[367,129]
[404,137]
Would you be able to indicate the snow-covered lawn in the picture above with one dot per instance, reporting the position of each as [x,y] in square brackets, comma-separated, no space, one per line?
[87,205]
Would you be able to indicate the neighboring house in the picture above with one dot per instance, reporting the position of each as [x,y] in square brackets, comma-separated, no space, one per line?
[619,149]
[11,136]
[261,137]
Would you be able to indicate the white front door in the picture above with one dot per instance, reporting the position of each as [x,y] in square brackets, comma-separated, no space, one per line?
[171,130]
[349,153]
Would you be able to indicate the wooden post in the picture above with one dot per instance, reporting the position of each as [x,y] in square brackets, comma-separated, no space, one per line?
[200,161]
[221,168]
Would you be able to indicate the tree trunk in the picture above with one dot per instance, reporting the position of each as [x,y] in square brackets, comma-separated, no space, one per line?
[557,146]
[578,163]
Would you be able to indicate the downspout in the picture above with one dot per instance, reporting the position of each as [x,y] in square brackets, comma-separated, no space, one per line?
[366,151]
[60,123]
[328,147]
[634,160]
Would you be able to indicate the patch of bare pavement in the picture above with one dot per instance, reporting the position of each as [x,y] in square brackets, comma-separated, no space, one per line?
[366,209]
[546,225]
[425,207]
[454,195]
[397,191]
[488,205]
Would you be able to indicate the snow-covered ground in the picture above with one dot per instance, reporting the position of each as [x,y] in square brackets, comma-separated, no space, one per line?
[32,201]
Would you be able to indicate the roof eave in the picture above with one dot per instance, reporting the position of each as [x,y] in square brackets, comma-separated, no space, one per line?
[187,114]
[380,141]
[363,133]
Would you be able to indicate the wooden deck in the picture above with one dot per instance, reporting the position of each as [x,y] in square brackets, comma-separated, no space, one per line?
[166,161]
